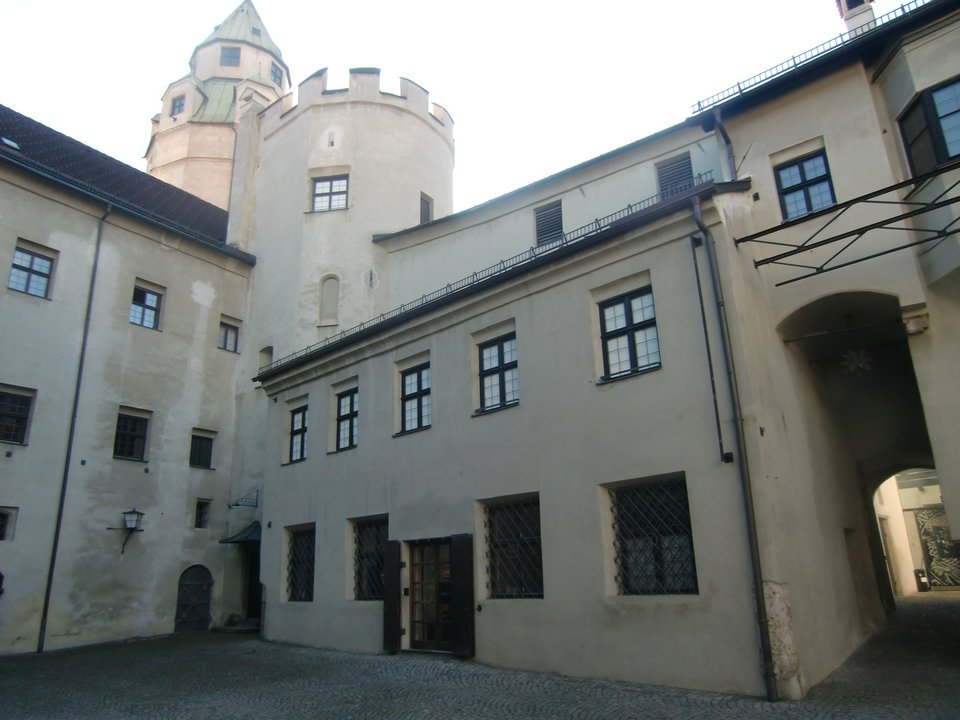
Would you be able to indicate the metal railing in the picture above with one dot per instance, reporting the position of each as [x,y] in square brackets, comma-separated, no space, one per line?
[502,267]
[805,57]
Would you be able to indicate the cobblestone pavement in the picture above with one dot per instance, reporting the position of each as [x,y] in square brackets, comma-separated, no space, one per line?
[911,670]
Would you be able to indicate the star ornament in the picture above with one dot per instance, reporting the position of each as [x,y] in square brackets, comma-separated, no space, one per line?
[856,362]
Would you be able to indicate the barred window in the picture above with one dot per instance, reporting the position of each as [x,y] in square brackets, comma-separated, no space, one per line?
[499,382]
[415,405]
[370,539]
[514,554]
[330,193]
[300,554]
[348,411]
[628,333]
[30,273]
[14,415]
[653,539]
[130,441]
[298,434]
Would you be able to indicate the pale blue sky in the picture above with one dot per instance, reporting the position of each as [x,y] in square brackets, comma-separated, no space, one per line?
[534,87]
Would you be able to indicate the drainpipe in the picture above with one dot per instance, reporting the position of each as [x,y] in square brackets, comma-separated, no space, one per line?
[743,464]
[728,144]
[72,432]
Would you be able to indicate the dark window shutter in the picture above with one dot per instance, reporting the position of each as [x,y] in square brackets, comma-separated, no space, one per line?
[391,597]
[675,176]
[549,223]
[461,591]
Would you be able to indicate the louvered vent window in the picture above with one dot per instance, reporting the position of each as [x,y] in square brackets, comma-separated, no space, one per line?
[653,538]
[549,223]
[514,556]
[675,176]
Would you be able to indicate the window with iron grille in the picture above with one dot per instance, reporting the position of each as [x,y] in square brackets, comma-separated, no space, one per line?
[499,381]
[130,441]
[201,451]
[370,541]
[230,56]
[931,128]
[628,334]
[14,416]
[298,434]
[804,186]
[145,308]
[514,555]
[348,411]
[415,403]
[30,273]
[653,539]
[675,176]
[228,336]
[300,554]
[330,193]
[549,220]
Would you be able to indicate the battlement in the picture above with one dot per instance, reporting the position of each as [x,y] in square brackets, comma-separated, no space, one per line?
[364,87]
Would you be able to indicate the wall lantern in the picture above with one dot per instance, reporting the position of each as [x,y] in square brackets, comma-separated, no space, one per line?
[131,524]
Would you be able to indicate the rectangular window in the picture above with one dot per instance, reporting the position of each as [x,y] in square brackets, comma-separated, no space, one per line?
[177,104]
[370,540]
[330,193]
[931,128]
[201,517]
[514,553]
[499,381]
[300,567]
[804,186]
[549,219]
[348,410]
[30,273]
[227,337]
[230,56]
[14,416]
[8,520]
[276,74]
[145,308]
[628,334]
[653,538]
[201,451]
[298,434]
[426,209]
[130,441]
[415,405]
[675,176]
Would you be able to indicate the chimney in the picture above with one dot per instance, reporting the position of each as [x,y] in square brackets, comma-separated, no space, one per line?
[857,14]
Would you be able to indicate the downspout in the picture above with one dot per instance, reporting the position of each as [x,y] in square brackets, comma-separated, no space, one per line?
[728,144]
[72,432]
[743,464]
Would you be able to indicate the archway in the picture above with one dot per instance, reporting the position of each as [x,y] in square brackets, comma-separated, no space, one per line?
[193,599]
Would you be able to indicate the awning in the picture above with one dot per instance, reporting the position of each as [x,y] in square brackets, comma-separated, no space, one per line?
[250,534]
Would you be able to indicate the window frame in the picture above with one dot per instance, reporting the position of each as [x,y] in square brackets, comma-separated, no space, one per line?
[8,523]
[369,559]
[804,185]
[15,422]
[227,56]
[629,330]
[201,515]
[331,193]
[141,318]
[276,74]
[511,550]
[225,333]
[297,448]
[420,396]
[135,437]
[932,129]
[350,418]
[177,104]
[301,571]
[201,453]
[30,271]
[500,370]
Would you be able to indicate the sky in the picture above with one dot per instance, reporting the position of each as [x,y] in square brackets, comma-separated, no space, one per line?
[533,87]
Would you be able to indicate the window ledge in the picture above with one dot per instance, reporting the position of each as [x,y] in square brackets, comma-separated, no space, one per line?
[202,467]
[488,411]
[411,432]
[293,462]
[605,380]
[14,442]
[129,459]
[324,212]
[340,450]
[232,352]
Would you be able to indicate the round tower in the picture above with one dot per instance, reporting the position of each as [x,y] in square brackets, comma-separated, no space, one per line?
[192,139]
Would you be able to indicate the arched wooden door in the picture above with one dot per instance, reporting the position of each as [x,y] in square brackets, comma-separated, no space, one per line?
[193,599]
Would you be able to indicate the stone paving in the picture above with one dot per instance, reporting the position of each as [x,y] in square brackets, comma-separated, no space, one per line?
[911,670]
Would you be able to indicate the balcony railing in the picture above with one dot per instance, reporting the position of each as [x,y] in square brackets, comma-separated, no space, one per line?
[501,268]
[805,57]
